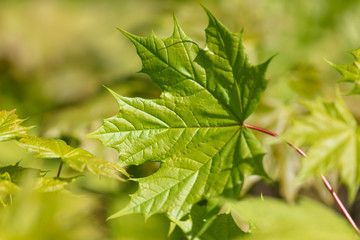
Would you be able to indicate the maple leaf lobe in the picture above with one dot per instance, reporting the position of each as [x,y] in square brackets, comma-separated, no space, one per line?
[236,83]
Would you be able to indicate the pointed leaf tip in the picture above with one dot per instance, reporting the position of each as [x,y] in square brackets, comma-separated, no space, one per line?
[207,11]
[351,73]
[127,34]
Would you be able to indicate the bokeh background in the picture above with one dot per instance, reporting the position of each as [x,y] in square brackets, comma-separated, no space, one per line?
[57,56]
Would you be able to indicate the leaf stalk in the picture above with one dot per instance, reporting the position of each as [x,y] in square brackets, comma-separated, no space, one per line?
[60,167]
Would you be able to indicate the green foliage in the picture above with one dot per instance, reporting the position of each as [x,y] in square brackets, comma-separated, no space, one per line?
[13,176]
[10,185]
[195,129]
[10,127]
[76,158]
[274,219]
[334,138]
[10,177]
[351,73]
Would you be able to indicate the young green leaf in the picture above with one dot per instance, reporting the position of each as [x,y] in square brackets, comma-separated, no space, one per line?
[273,219]
[51,184]
[195,129]
[334,139]
[10,127]
[351,73]
[76,158]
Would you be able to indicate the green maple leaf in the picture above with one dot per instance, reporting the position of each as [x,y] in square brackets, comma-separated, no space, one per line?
[76,158]
[351,73]
[10,127]
[195,129]
[333,135]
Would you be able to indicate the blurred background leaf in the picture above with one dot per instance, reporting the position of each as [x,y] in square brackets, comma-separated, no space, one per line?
[275,219]
[36,215]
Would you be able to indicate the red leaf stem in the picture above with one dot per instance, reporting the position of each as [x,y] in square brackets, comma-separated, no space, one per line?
[325,181]
[340,204]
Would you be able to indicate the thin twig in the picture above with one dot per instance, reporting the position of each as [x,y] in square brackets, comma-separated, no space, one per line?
[325,181]
[340,204]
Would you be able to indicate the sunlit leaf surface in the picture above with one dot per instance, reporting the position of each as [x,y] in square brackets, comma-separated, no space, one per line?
[195,129]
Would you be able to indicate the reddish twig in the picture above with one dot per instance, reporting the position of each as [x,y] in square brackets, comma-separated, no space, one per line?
[340,204]
[325,181]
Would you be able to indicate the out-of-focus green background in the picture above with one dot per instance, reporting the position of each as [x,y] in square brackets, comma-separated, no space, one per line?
[57,56]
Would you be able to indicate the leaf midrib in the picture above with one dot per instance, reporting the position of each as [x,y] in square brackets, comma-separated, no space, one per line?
[240,93]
